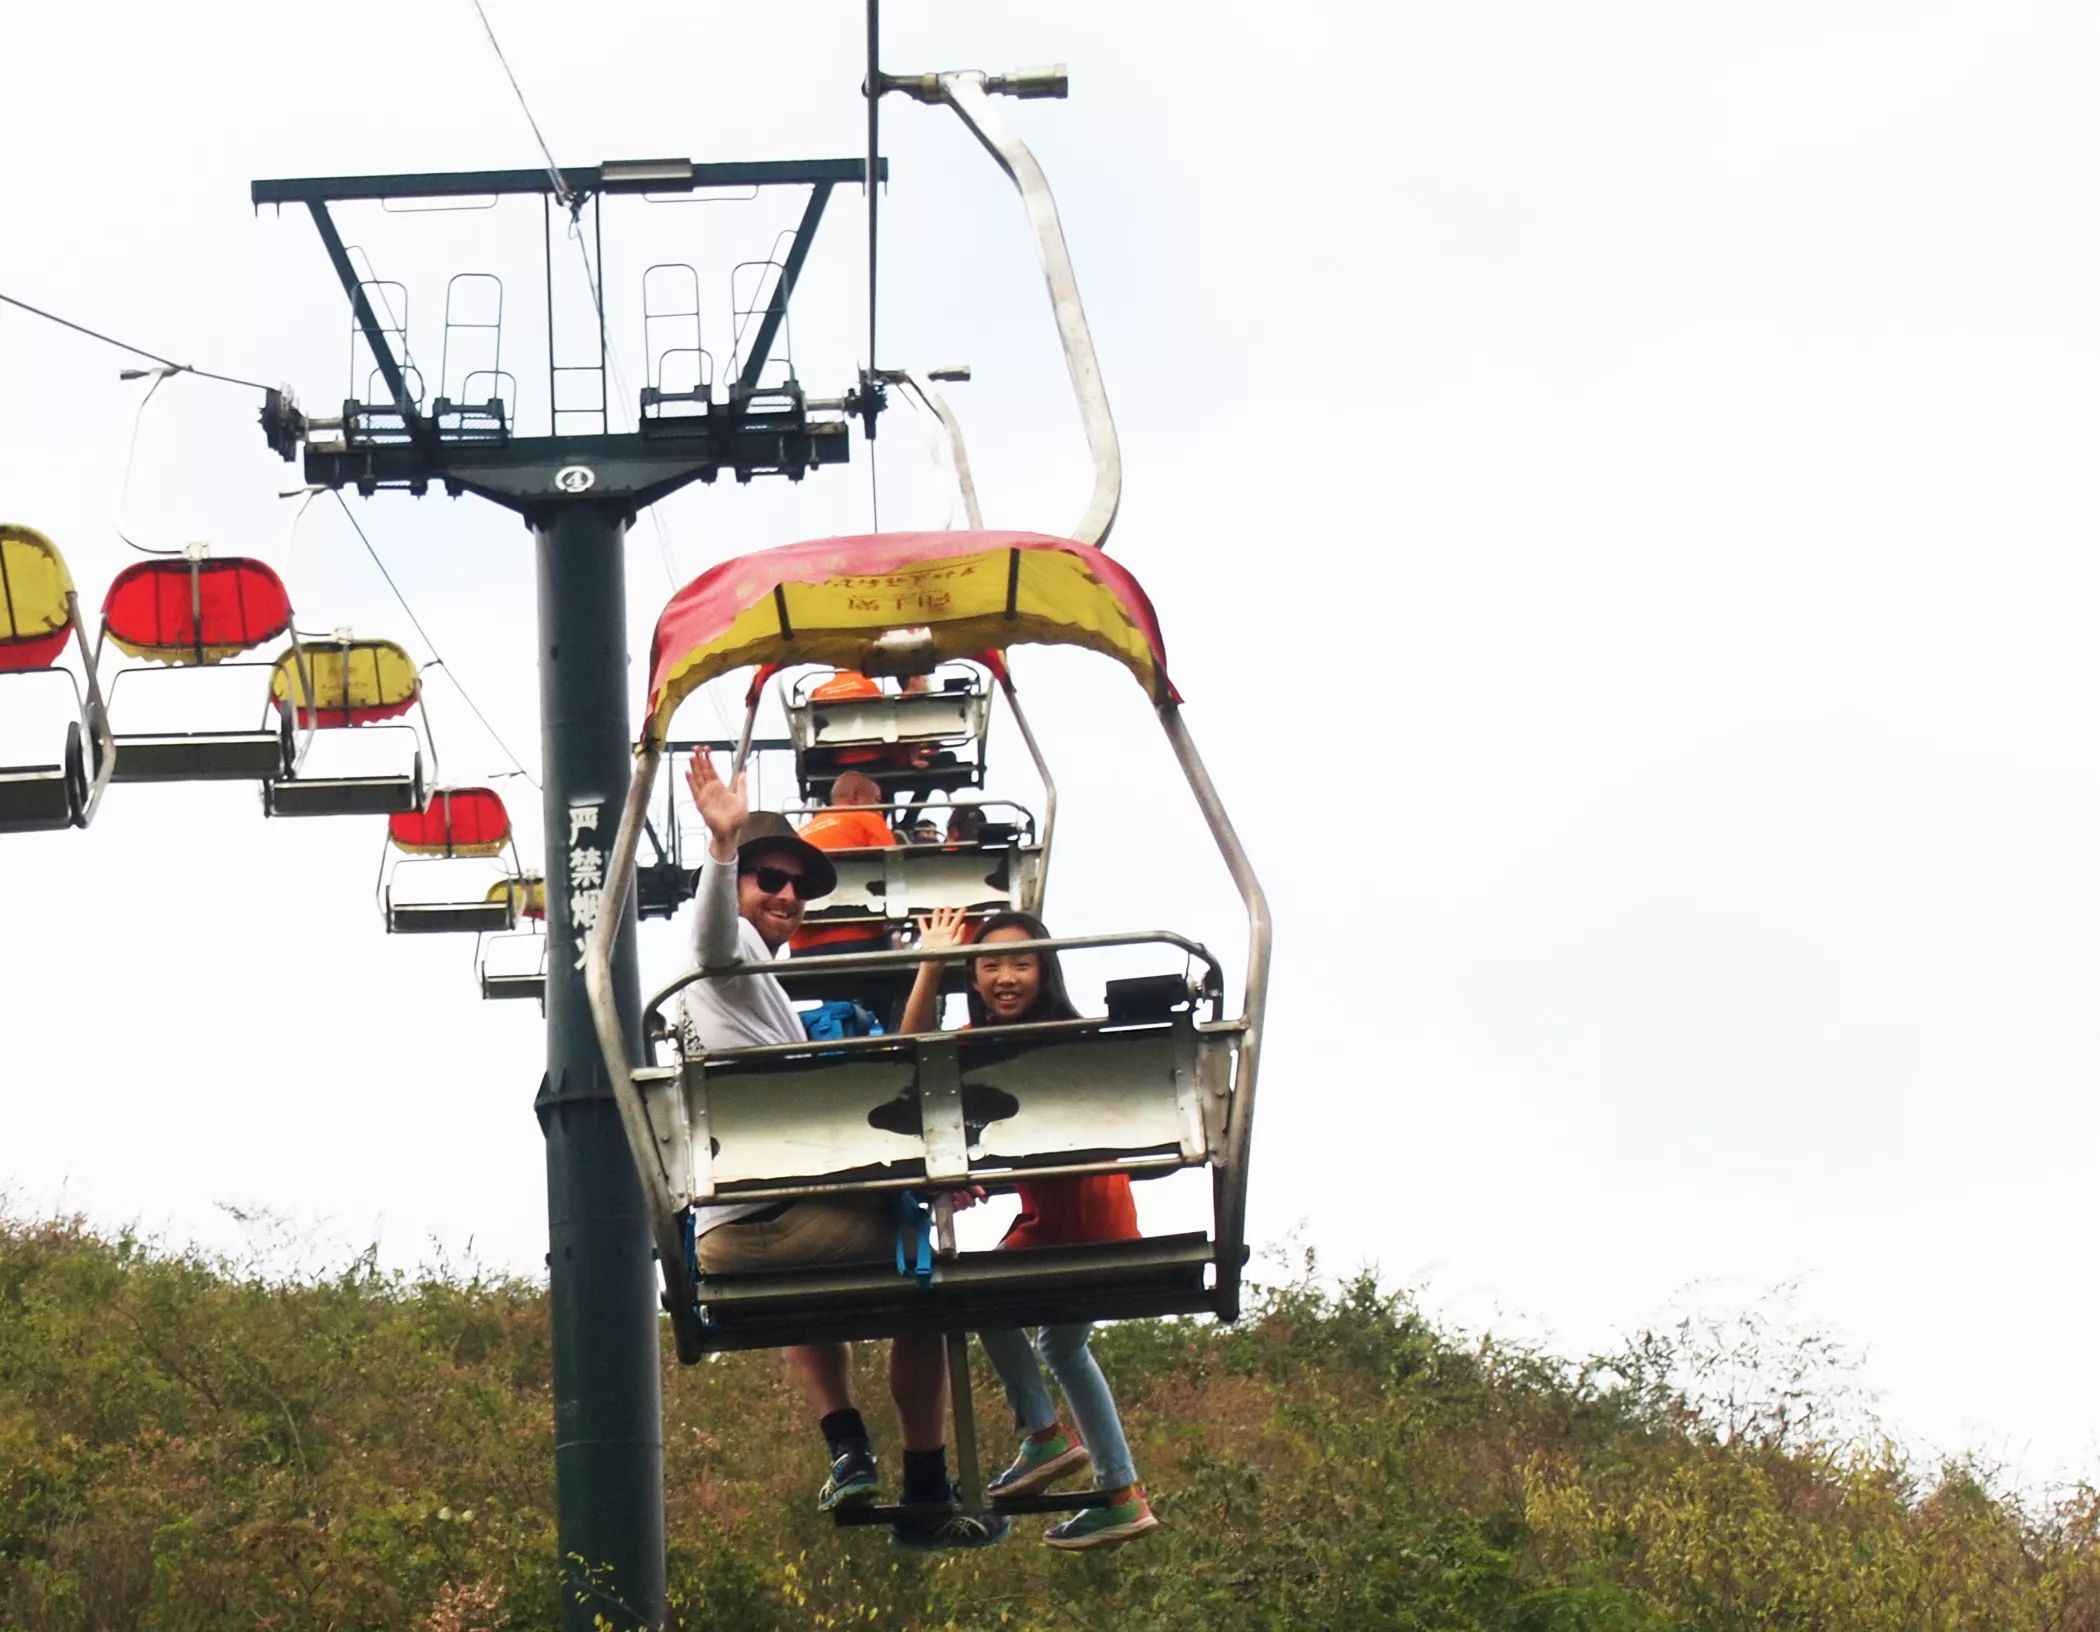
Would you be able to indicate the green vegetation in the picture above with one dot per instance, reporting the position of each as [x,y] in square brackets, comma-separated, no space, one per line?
[187,1446]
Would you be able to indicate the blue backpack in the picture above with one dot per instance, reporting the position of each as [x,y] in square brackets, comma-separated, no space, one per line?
[828,1022]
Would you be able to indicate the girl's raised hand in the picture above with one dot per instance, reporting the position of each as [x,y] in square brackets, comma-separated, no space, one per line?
[942,928]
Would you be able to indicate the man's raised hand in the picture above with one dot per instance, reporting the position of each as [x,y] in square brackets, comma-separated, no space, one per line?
[722,805]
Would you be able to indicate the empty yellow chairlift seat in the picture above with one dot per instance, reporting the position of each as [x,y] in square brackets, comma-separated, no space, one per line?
[342,685]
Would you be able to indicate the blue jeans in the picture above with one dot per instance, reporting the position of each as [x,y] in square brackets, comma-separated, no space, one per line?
[1064,1349]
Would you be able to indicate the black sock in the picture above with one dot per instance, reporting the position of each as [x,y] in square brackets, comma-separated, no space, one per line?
[843,1428]
[926,1476]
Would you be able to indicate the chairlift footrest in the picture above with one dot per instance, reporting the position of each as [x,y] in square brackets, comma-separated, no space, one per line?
[1161,1275]
[868,1513]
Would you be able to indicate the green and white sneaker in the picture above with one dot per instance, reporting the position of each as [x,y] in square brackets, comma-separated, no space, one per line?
[1103,1526]
[1038,1465]
[852,1480]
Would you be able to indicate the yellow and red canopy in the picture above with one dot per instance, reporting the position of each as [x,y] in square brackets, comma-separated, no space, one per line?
[36,599]
[195,611]
[355,682]
[830,600]
[456,822]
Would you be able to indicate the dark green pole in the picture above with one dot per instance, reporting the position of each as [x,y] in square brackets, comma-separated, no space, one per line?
[608,1416]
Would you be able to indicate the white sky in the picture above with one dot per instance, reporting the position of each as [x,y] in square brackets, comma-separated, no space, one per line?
[1616,484]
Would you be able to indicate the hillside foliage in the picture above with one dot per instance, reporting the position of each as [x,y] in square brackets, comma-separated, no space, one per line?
[190,1446]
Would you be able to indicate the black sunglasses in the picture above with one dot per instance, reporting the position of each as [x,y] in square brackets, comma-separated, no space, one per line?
[774,879]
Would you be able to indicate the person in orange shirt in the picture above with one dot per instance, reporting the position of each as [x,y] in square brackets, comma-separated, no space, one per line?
[1009,988]
[844,685]
[854,821]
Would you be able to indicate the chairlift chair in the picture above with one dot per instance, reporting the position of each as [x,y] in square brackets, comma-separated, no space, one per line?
[1165,1081]
[39,615]
[504,973]
[924,742]
[340,684]
[513,966]
[458,826]
[198,611]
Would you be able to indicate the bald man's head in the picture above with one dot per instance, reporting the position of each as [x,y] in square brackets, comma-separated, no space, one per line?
[855,788]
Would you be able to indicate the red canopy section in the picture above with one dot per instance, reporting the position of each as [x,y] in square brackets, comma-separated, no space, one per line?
[195,611]
[456,822]
[833,599]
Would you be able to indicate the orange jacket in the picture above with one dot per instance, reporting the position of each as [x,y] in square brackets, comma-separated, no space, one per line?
[1072,1212]
[861,828]
[846,683]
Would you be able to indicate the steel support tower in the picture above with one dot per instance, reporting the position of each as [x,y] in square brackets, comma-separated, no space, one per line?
[578,494]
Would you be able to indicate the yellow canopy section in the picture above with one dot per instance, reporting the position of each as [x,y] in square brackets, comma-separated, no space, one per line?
[36,591]
[354,682]
[953,594]
[527,895]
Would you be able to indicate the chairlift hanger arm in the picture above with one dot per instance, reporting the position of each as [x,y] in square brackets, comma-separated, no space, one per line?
[969,92]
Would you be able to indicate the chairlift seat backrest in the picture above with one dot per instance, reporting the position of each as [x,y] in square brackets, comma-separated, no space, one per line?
[924,717]
[887,737]
[897,882]
[888,1113]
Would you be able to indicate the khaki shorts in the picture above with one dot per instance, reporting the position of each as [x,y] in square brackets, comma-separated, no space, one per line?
[809,1232]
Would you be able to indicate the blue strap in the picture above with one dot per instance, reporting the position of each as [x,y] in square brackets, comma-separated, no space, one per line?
[914,1222]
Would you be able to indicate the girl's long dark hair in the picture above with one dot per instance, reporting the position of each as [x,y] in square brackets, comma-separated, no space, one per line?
[1051,1000]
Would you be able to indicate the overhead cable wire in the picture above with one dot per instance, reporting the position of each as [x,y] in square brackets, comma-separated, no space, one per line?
[136,351]
[872,89]
[437,658]
[570,201]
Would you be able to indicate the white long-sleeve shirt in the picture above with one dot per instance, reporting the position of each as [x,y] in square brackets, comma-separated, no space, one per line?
[741,1011]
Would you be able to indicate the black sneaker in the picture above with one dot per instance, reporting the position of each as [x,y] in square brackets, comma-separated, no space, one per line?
[852,1480]
[939,1532]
